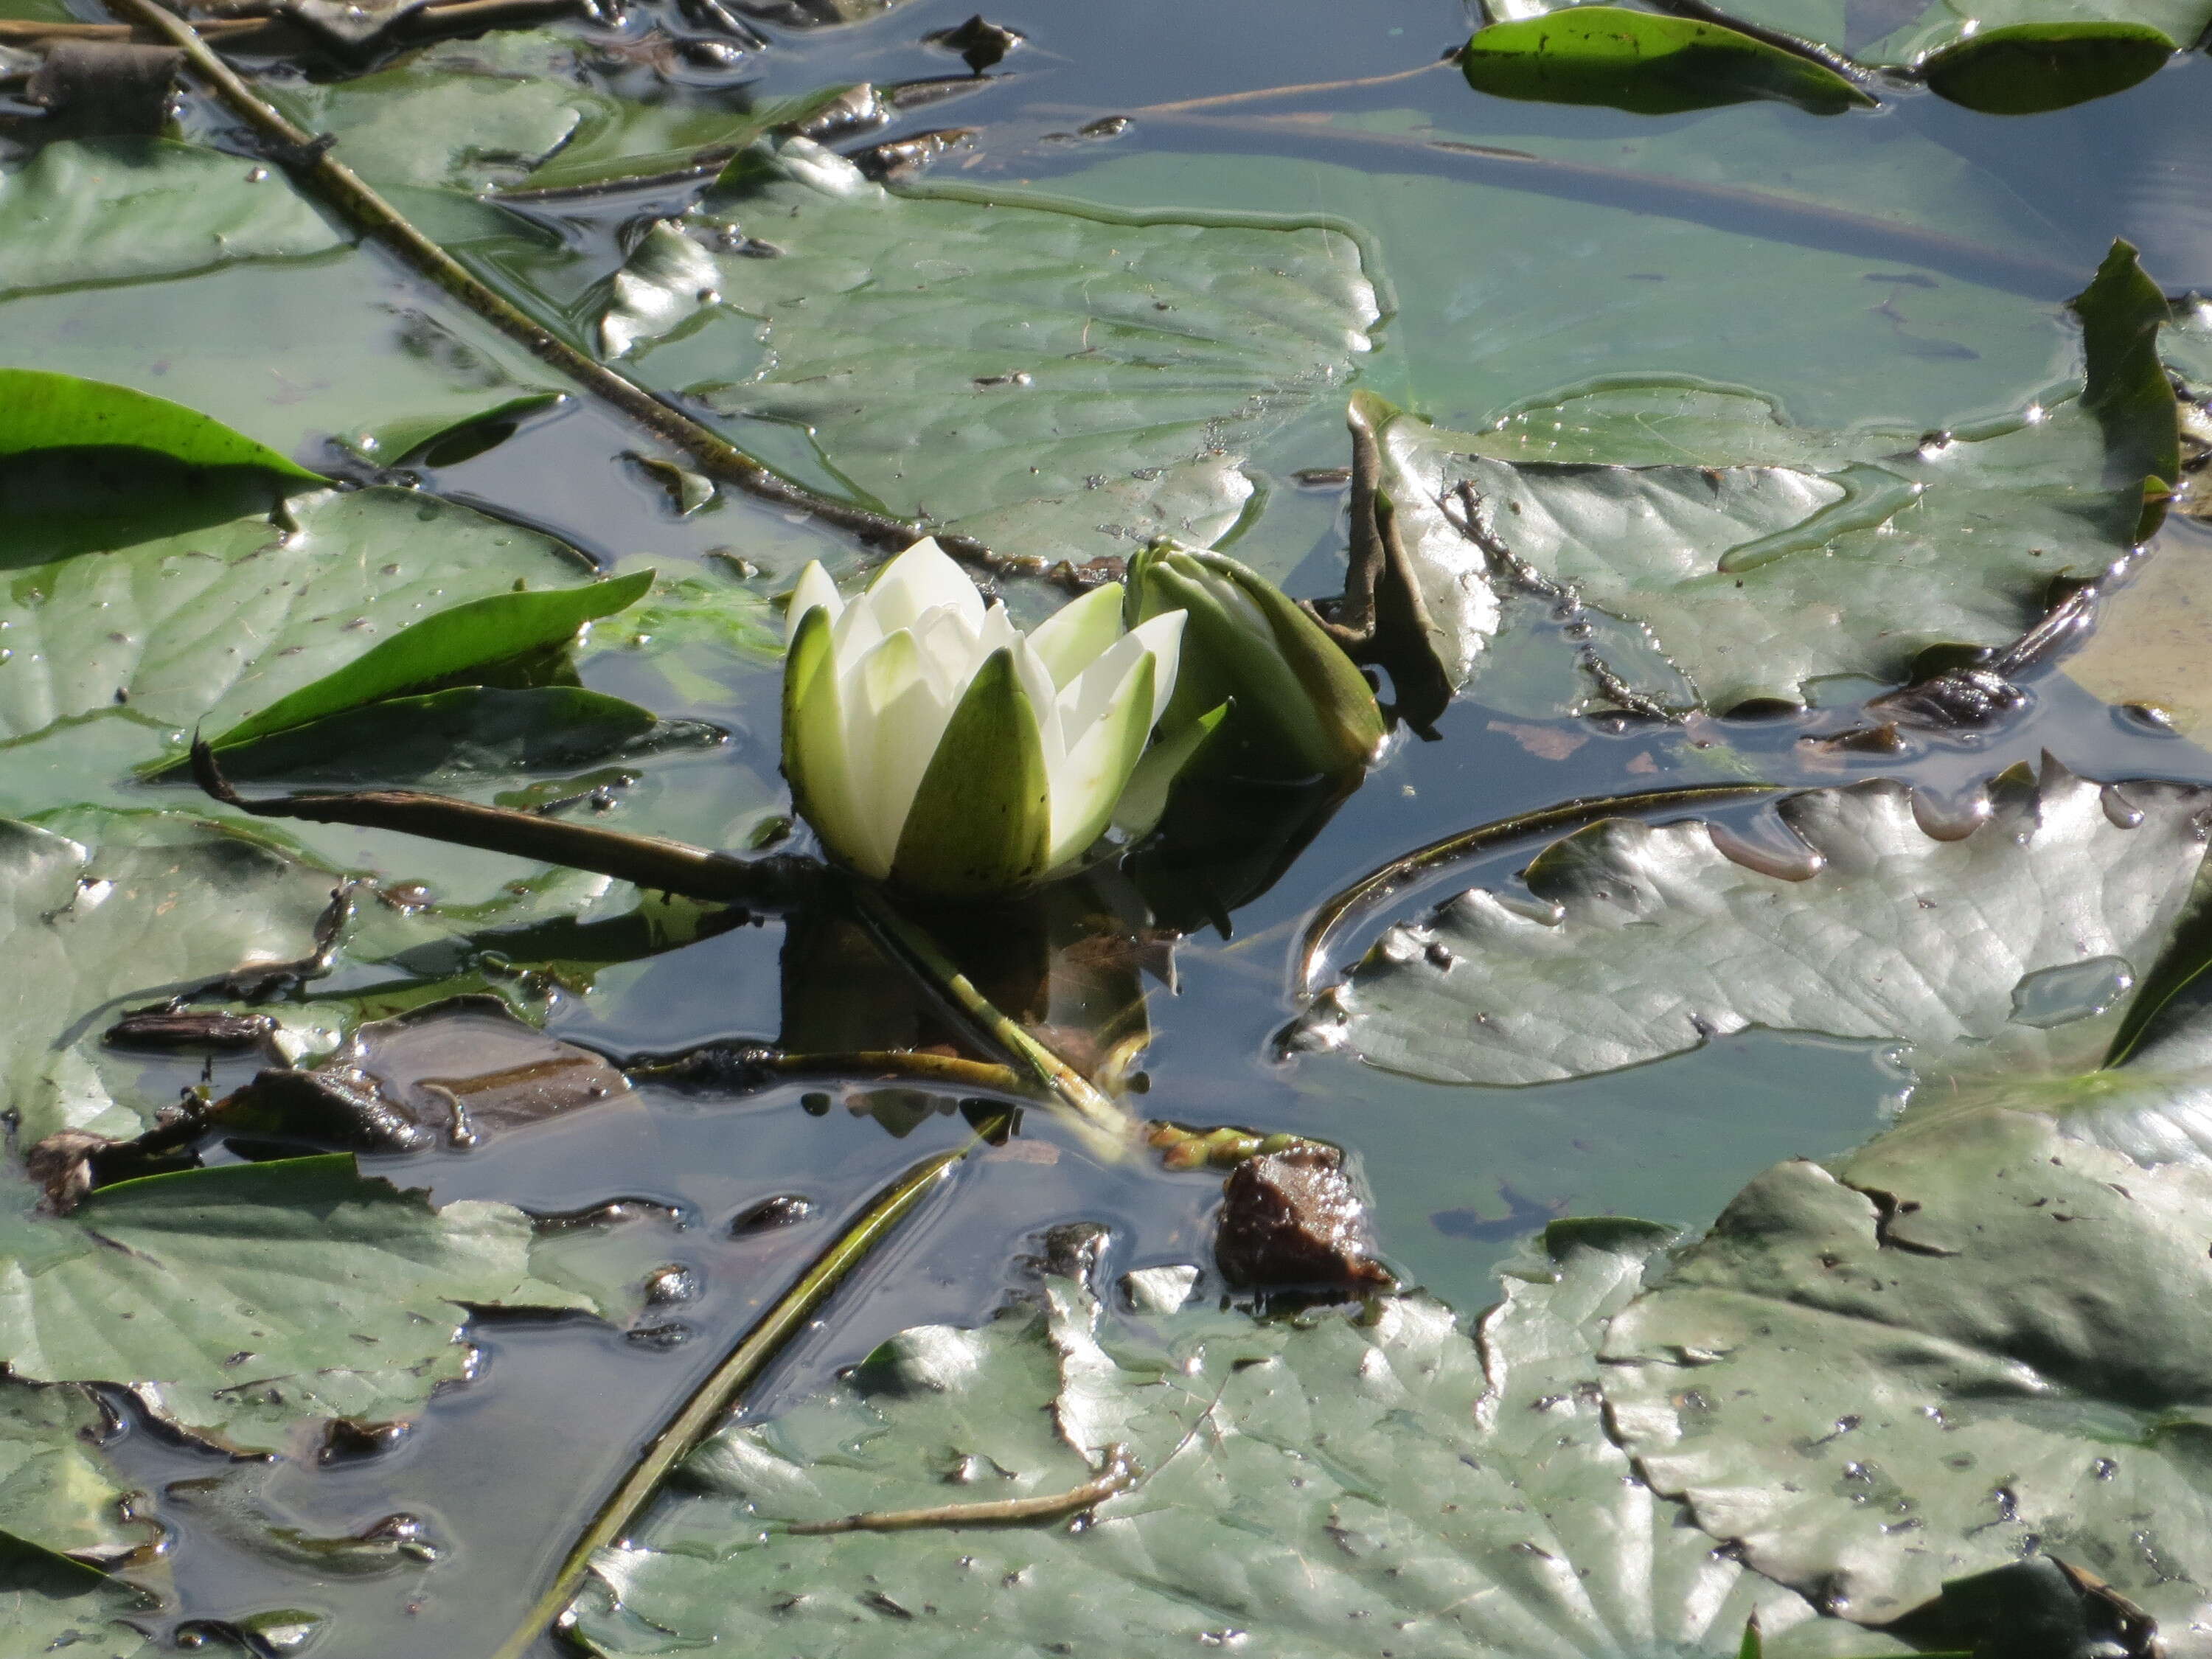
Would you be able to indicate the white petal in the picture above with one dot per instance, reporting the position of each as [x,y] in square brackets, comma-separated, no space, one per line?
[905,716]
[813,589]
[1036,687]
[918,579]
[1163,637]
[855,634]
[1072,638]
[951,650]
[1089,781]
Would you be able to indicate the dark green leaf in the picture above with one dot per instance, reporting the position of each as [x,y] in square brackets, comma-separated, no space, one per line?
[467,637]
[2033,67]
[40,410]
[1641,61]
[2125,387]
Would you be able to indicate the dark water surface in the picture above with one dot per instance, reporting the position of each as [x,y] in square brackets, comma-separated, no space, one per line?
[505,1471]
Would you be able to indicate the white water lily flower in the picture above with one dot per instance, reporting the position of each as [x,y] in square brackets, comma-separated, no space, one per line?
[933,745]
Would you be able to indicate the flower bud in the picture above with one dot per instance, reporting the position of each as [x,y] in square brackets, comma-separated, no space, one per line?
[1298,707]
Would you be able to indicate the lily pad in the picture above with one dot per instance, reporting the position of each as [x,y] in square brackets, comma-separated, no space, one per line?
[56,1493]
[1058,378]
[1649,64]
[1766,558]
[244,1300]
[1932,1362]
[174,904]
[2033,67]
[1300,1484]
[105,209]
[209,624]
[1636,940]
[51,1604]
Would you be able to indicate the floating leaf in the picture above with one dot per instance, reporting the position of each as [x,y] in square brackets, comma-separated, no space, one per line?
[1643,939]
[51,1604]
[468,731]
[463,639]
[243,1300]
[2033,67]
[40,410]
[170,904]
[1302,1483]
[1649,64]
[55,1492]
[1768,558]
[1055,377]
[105,209]
[1932,1362]
[206,625]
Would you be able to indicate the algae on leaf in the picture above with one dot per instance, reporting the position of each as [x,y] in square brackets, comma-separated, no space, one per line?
[1382,1478]
[1056,378]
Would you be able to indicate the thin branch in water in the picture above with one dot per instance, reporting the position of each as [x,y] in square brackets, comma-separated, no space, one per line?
[1345,908]
[768,885]
[715,1396]
[307,157]
[752,1066]
[1258,93]
[1119,1474]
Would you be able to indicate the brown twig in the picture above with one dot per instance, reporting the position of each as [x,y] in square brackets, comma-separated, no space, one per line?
[768,885]
[1119,1475]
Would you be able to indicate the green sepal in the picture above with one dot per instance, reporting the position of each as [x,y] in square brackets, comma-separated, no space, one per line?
[428,654]
[980,824]
[814,731]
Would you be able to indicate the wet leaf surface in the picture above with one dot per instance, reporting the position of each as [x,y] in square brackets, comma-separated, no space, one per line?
[55,1493]
[1903,1372]
[1303,1479]
[62,1605]
[244,1301]
[1052,378]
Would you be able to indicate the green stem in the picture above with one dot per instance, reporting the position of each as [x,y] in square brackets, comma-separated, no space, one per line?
[354,200]
[714,1397]
[1110,1130]
[1341,907]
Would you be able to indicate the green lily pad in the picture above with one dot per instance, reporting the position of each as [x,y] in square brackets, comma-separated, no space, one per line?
[209,624]
[1762,558]
[51,1604]
[40,410]
[1382,1480]
[1646,63]
[104,209]
[55,1492]
[1057,377]
[174,905]
[1933,1362]
[243,1301]
[2005,951]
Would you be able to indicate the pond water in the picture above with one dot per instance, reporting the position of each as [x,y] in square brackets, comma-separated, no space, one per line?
[1899,269]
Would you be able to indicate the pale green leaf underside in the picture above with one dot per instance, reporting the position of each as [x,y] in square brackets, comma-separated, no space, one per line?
[1063,378]
[1935,1360]
[1661,937]
[206,626]
[1389,1483]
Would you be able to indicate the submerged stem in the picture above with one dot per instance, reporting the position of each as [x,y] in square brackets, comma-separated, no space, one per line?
[718,1392]
[1339,908]
[308,158]
[1110,1129]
